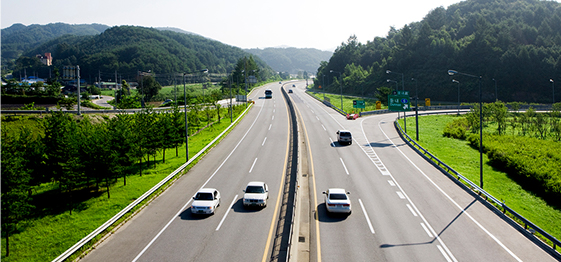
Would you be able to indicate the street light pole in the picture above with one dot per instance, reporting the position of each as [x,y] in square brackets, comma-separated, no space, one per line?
[186,121]
[416,109]
[496,93]
[553,88]
[340,86]
[452,72]
[456,81]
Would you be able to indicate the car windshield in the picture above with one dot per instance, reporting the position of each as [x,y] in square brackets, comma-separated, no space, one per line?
[337,196]
[254,189]
[204,196]
[344,133]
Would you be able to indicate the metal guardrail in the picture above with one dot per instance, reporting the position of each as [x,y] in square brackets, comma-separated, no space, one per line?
[127,209]
[528,225]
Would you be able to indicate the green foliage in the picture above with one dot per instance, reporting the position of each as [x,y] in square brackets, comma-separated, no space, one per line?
[457,128]
[532,161]
[517,43]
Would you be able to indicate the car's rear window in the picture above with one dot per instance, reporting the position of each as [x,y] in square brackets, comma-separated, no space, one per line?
[345,133]
[337,196]
[268,92]
[254,189]
[204,196]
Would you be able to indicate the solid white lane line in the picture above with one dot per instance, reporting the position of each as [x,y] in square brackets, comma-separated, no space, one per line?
[391,182]
[411,209]
[427,230]
[254,161]
[366,216]
[400,194]
[386,172]
[264,141]
[347,171]
[453,202]
[444,253]
[270,126]
[204,184]
[323,128]
[227,211]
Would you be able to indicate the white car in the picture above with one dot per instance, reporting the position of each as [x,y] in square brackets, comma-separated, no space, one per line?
[256,194]
[337,201]
[344,136]
[205,201]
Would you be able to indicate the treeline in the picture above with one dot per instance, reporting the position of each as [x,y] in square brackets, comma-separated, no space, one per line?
[515,45]
[526,145]
[128,50]
[88,154]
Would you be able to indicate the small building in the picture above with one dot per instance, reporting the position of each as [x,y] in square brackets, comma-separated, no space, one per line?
[47,59]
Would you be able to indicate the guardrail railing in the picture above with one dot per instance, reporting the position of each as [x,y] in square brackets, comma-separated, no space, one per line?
[69,252]
[528,226]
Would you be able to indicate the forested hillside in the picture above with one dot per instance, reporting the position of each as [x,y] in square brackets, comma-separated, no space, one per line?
[18,38]
[514,45]
[292,60]
[127,50]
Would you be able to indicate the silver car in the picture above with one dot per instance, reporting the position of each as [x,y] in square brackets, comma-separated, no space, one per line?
[344,137]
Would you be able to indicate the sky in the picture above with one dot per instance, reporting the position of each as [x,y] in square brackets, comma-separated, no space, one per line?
[320,24]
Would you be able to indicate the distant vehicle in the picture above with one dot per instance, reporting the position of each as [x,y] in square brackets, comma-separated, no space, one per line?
[290,91]
[337,201]
[344,136]
[256,194]
[293,85]
[205,201]
[280,83]
[268,93]
[167,102]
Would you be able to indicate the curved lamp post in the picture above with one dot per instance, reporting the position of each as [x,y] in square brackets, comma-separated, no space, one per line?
[456,81]
[416,109]
[453,72]
[389,80]
[341,86]
[553,88]
[402,82]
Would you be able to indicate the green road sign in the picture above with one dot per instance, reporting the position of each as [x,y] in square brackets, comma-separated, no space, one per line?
[358,104]
[399,103]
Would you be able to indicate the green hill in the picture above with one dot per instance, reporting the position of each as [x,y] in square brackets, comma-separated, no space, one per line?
[18,38]
[127,50]
[514,45]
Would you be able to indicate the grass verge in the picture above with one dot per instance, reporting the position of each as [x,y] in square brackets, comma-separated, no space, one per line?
[45,238]
[370,104]
[465,160]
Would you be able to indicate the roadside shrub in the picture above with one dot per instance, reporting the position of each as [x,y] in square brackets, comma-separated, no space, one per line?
[457,128]
[531,161]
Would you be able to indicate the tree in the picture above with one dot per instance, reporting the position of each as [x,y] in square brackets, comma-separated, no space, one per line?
[16,181]
[149,87]
[383,93]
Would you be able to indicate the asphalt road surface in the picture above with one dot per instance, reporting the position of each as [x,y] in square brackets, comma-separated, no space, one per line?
[165,230]
[403,209]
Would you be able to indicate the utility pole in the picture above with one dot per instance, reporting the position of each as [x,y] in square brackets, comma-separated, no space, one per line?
[78,84]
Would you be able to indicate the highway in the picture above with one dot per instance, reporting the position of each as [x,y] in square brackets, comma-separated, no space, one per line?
[165,230]
[404,209]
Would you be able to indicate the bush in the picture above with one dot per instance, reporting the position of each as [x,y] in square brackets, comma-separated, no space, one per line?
[457,128]
[532,161]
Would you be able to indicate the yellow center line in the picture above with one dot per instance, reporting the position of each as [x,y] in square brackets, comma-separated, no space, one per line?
[318,243]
